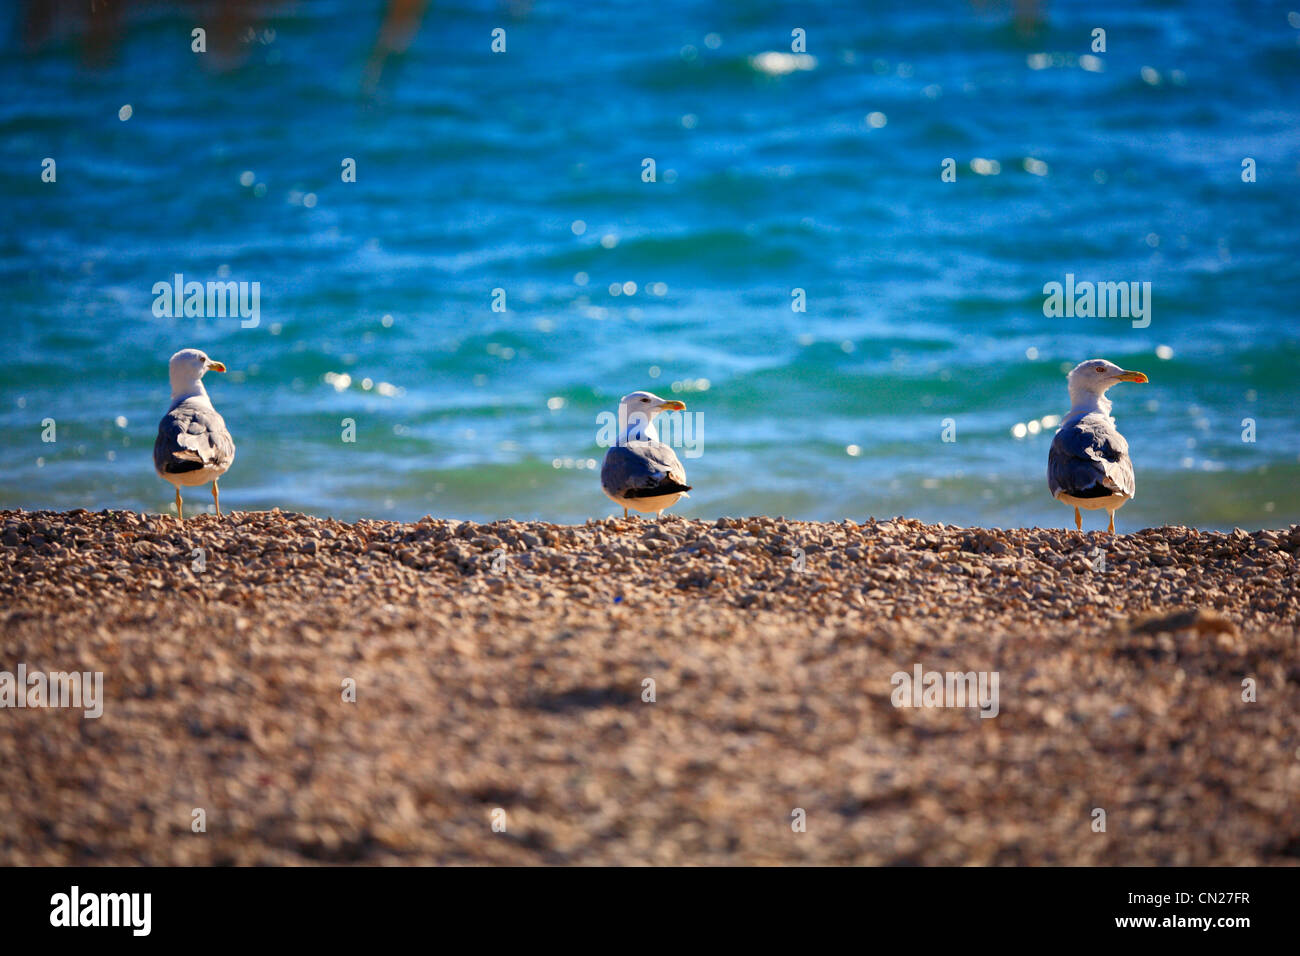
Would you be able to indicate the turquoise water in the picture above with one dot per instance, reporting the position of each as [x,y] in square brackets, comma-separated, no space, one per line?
[924,298]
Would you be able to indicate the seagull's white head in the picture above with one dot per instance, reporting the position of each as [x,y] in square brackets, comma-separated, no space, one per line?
[637,411]
[186,370]
[1089,380]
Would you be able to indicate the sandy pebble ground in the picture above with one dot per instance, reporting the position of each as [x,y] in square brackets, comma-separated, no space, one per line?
[500,675]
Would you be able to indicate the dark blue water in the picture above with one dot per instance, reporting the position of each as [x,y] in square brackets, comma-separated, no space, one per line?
[924,298]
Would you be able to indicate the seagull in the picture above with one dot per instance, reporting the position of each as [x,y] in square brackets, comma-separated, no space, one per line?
[193,445]
[1088,466]
[641,472]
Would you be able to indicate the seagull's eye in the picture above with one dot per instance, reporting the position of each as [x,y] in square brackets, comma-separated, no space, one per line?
[645,400]
[1099,368]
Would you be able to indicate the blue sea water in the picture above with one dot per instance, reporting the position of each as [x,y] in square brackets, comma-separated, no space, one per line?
[522,171]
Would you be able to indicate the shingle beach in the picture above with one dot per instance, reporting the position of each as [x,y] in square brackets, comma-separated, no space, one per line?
[509,667]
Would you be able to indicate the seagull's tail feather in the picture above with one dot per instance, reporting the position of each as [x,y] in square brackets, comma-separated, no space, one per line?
[668,487]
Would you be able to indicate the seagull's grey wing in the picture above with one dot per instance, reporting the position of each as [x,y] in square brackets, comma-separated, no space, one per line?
[1089,459]
[192,437]
[642,469]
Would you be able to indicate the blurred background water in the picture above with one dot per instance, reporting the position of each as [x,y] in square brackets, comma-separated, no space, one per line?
[522,171]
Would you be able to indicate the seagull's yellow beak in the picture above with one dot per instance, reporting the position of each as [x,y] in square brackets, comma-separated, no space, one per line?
[1138,377]
[215,366]
[673,406]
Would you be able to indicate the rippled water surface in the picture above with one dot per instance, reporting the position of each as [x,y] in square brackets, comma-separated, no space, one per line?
[522,172]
